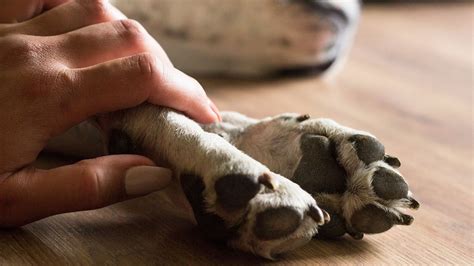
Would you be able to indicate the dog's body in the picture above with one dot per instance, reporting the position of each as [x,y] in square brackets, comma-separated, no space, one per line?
[248,37]
[263,186]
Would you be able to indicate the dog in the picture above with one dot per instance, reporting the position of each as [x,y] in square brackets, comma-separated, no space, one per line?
[249,38]
[262,186]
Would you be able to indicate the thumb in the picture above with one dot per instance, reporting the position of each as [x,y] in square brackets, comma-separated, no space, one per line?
[32,194]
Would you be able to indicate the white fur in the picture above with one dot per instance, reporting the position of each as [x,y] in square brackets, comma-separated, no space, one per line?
[244,37]
[259,139]
[172,138]
[175,140]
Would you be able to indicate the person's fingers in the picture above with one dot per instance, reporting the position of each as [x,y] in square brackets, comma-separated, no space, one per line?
[127,82]
[68,17]
[18,10]
[184,93]
[14,11]
[104,42]
[33,194]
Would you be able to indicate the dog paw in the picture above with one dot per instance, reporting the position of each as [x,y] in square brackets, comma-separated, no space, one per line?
[350,175]
[234,198]
[263,213]
[347,171]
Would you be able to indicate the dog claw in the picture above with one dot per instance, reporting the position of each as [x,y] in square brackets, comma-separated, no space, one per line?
[317,215]
[405,220]
[268,181]
[302,118]
[327,217]
[414,204]
[392,161]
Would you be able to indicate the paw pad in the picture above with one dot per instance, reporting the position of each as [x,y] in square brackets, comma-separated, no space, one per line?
[371,220]
[267,221]
[318,170]
[235,191]
[357,182]
[277,223]
[368,148]
[210,224]
[389,185]
[335,228]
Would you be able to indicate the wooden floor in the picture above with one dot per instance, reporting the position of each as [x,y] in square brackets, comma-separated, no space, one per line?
[409,81]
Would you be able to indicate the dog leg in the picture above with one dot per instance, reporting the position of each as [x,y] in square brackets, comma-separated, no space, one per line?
[346,170]
[234,198]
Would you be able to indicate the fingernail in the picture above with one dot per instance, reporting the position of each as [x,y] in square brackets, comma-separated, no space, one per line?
[215,110]
[142,180]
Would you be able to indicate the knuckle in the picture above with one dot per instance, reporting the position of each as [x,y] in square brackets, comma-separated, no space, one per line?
[131,31]
[63,79]
[97,9]
[90,185]
[149,66]
[62,90]
[146,69]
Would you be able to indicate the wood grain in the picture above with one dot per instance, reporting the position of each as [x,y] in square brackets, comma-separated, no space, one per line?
[408,80]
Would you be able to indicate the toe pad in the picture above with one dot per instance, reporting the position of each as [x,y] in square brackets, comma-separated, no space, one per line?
[277,223]
[368,148]
[371,220]
[389,185]
[335,228]
[318,170]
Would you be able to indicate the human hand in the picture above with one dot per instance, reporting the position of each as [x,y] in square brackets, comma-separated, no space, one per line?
[79,59]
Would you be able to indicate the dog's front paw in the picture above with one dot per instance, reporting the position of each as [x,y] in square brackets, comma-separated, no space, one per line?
[263,213]
[350,175]
[346,170]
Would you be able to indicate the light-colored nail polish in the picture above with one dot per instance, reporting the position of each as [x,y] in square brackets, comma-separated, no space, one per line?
[142,180]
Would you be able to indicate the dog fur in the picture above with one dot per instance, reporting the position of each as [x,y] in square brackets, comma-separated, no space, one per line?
[262,186]
[247,37]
